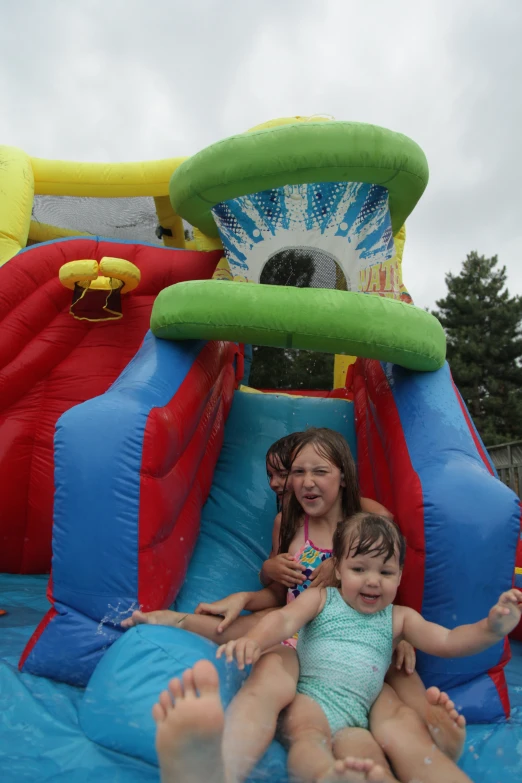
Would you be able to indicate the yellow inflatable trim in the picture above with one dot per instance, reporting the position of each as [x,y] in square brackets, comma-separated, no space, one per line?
[109,274]
[250,390]
[103,180]
[43,232]
[16,200]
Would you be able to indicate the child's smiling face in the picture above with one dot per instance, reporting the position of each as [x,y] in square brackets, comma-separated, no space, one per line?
[369,582]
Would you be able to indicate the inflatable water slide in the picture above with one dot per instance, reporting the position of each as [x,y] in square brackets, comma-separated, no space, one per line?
[132,448]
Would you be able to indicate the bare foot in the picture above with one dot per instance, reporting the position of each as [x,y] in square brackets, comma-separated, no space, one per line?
[159,617]
[353,770]
[189,726]
[446,726]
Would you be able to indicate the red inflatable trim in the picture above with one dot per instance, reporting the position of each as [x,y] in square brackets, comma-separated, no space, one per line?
[476,439]
[386,472]
[181,446]
[40,628]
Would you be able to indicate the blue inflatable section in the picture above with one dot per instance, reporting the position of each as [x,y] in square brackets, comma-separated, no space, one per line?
[466,565]
[95,571]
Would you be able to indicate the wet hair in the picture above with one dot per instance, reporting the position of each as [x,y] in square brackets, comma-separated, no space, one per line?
[369,534]
[279,457]
[332,447]
[281,451]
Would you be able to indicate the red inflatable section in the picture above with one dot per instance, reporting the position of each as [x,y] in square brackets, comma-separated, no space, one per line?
[385,469]
[50,362]
[177,470]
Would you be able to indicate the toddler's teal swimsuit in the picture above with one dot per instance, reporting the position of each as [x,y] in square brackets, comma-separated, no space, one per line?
[343,658]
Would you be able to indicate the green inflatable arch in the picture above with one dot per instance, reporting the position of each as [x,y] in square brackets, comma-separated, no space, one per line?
[315,319]
[299,153]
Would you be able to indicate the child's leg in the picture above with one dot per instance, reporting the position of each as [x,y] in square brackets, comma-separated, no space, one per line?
[201,624]
[189,726]
[251,718]
[206,625]
[446,726]
[311,757]
[405,740]
[356,745]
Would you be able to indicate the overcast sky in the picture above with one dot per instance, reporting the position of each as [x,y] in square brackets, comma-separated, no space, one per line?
[114,80]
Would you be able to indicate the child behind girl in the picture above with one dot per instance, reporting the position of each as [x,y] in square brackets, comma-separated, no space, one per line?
[281,567]
[345,645]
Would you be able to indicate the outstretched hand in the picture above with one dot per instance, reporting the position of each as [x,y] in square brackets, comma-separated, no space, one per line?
[505,615]
[229,608]
[244,650]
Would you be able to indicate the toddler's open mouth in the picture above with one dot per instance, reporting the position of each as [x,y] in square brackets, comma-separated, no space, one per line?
[369,598]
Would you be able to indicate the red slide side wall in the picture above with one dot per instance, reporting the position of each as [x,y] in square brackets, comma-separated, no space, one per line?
[181,446]
[386,472]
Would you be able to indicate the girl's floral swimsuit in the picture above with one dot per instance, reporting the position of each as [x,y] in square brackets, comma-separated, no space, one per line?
[309,556]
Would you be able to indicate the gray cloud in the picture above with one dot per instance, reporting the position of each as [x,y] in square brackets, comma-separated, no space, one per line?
[116,80]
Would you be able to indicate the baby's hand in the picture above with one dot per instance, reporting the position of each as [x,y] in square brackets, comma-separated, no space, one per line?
[245,650]
[324,574]
[405,657]
[505,615]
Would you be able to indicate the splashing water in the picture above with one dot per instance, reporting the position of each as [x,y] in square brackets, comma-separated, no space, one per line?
[115,615]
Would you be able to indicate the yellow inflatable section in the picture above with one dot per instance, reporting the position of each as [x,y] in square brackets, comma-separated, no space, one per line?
[16,201]
[22,177]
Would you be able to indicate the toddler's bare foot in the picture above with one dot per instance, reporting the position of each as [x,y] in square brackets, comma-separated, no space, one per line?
[353,770]
[159,617]
[446,726]
[189,727]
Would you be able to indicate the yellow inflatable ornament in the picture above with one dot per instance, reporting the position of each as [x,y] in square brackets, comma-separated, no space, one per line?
[98,288]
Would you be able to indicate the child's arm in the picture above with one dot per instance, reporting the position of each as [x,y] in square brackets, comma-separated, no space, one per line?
[231,607]
[274,628]
[465,639]
[373,507]
[280,568]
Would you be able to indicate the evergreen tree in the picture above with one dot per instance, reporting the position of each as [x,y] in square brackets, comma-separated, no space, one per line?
[483,328]
[286,368]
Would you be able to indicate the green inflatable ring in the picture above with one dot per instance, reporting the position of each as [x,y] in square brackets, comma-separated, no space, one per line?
[315,319]
[293,154]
